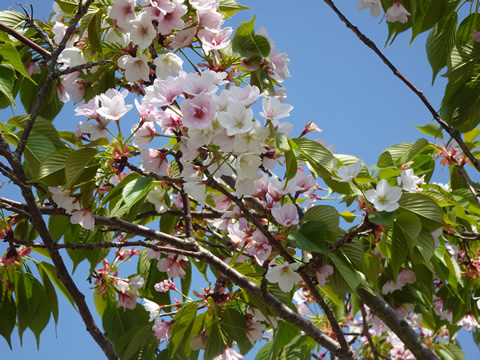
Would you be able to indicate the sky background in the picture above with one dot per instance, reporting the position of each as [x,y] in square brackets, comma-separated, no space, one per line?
[337,82]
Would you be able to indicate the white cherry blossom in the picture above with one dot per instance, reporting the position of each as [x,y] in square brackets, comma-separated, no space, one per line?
[167,64]
[384,197]
[136,68]
[285,275]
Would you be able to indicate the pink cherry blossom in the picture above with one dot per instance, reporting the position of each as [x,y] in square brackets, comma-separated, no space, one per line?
[136,68]
[274,110]
[164,286]
[163,92]
[94,130]
[476,35]
[143,134]
[229,354]
[286,215]
[172,20]
[113,106]
[469,322]
[198,112]
[213,39]
[84,218]
[397,12]
[162,329]
[155,161]
[142,31]
[254,330]
[171,266]
[322,272]
[123,11]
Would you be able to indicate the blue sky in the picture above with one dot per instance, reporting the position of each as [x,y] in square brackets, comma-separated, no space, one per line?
[337,82]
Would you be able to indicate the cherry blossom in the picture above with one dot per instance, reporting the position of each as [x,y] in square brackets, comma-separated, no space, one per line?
[384,197]
[348,173]
[397,12]
[113,106]
[83,217]
[229,354]
[153,309]
[375,6]
[123,11]
[254,330]
[237,119]
[173,19]
[274,110]
[164,286]
[157,197]
[162,329]
[167,64]
[154,161]
[285,275]
[141,30]
[469,322]
[408,181]
[213,39]
[286,215]
[198,112]
[143,134]
[136,68]
[322,272]
[172,266]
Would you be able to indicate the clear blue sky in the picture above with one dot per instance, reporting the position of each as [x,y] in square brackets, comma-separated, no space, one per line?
[336,82]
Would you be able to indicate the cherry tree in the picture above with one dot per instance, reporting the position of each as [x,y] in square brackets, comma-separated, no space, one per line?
[213,182]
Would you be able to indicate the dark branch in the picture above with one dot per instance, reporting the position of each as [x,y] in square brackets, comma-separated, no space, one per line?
[46,54]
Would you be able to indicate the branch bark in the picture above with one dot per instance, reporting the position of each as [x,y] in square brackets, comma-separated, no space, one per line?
[398,325]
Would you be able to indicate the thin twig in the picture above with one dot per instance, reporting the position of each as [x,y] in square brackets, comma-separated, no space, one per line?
[349,236]
[464,176]
[455,134]
[366,332]
[42,92]
[80,67]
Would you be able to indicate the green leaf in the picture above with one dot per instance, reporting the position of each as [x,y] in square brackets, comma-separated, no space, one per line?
[345,268]
[9,55]
[69,7]
[7,82]
[230,7]
[118,321]
[12,18]
[246,43]
[462,109]
[50,292]
[234,325]
[51,271]
[216,343]
[136,190]
[76,163]
[466,28]
[439,44]
[317,155]
[311,237]
[431,129]
[425,208]
[284,147]
[147,269]
[328,216]
[36,151]
[138,343]
[168,223]
[8,314]
[94,31]
[264,352]
[382,217]
[52,168]
[181,329]
[283,336]
[33,310]
[406,229]
[78,235]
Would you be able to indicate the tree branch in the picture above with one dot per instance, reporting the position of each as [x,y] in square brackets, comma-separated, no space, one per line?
[369,43]
[46,54]
[464,176]
[398,325]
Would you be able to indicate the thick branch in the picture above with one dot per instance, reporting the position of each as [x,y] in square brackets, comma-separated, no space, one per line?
[452,132]
[397,324]
[46,54]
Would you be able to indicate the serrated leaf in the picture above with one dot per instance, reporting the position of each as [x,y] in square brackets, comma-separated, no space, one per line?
[12,18]
[431,129]
[9,55]
[76,163]
[234,325]
[118,321]
[328,216]
[135,190]
[427,209]
[69,7]
[346,270]
[52,168]
[311,237]
[51,271]
[7,82]
[37,149]
[462,109]
[439,44]
[8,314]
[51,294]
[32,305]
[230,7]
[317,155]
[246,43]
